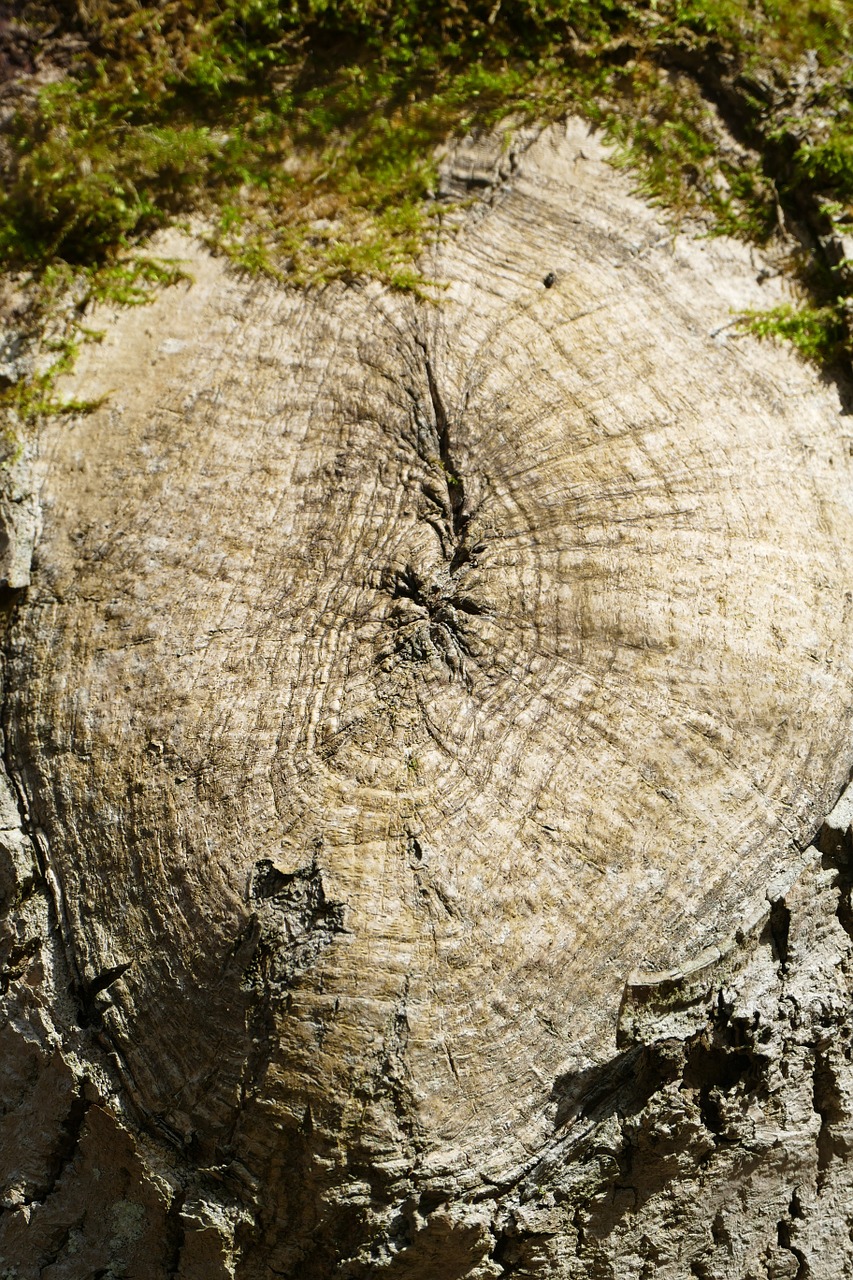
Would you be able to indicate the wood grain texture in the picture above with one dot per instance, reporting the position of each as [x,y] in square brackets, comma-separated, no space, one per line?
[396,678]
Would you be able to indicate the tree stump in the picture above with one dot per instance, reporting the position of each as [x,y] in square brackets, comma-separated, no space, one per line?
[421,711]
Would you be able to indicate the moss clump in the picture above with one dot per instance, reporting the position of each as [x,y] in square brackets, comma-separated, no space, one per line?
[62,300]
[304,130]
[310,125]
[828,165]
[818,333]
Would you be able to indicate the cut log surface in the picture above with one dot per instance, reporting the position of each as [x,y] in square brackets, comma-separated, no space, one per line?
[398,678]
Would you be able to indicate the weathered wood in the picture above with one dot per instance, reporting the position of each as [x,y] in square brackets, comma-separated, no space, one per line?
[397,679]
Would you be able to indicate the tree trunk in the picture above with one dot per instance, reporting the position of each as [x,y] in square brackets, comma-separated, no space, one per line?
[419,717]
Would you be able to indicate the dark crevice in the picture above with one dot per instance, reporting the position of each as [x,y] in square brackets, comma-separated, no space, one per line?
[66,1149]
[407,585]
[436,627]
[459,519]
[623,1085]
[506,1253]
[827,1103]
[294,924]
[837,850]
[780,928]
[85,994]
[106,978]
[461,556]
[10,599]
[16,960]
[438,602]
[719,1064]
[707,1065]
[783,1238]
[261,1029]
[844,910]
[435,445]
[175,1235]
[430,1200]
[466,605]
[267,881]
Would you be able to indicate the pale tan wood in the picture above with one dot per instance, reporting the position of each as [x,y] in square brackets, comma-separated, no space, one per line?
[397,678]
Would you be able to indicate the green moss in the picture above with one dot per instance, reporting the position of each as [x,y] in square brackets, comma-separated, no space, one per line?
[34,397]
[818,333]
[304,130]
[829,164]
[132,282]
[290,114]
[669,134]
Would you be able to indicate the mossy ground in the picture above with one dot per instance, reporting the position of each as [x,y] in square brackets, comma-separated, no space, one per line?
[305,132]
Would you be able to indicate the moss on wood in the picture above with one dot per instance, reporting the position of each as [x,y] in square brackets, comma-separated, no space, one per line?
[305,133]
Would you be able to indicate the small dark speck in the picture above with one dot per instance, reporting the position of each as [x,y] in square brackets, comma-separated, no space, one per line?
[549,280]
